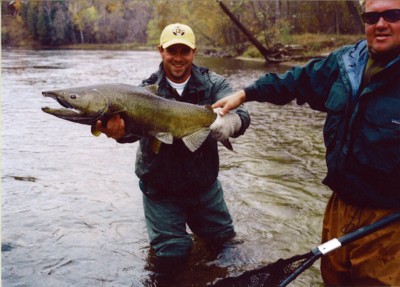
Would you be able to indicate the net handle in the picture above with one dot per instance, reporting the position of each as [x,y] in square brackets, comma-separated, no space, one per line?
[335,243]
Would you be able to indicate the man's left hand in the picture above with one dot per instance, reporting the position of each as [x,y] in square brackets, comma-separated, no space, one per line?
[115,127]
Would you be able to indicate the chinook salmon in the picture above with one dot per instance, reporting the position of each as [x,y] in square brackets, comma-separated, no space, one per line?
[145,114]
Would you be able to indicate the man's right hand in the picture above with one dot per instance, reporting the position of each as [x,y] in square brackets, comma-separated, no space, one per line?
[115,127]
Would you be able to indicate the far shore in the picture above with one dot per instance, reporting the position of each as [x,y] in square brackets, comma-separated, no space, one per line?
[204,52]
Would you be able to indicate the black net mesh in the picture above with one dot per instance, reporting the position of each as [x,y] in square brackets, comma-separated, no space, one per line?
[271,275]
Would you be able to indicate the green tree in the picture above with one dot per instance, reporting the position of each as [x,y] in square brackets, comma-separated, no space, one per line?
[61,25]
[60,22]
[31,15]
[43,23]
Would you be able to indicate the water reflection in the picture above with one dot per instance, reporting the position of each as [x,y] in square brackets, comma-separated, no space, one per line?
[72,211]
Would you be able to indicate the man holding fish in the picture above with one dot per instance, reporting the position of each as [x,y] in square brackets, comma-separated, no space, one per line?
[181,187]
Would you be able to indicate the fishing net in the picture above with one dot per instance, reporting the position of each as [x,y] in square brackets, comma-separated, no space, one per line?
[284,271]
[271,275]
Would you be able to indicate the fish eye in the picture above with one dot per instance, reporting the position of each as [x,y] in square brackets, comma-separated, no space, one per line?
[73,97]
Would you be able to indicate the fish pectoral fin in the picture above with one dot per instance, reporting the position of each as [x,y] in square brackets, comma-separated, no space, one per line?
[152,88]
[166,138]
[95,131]
[196,139]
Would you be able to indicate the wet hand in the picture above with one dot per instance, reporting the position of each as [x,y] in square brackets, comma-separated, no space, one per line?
[230,102]
[115,127]
[225,126]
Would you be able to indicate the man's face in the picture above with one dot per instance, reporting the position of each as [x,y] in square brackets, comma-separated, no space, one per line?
[177,62]
[383,37]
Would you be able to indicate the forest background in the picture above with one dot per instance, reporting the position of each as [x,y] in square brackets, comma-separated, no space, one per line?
[314,26]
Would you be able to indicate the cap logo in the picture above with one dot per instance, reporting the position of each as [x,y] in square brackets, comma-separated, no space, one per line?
[178,31]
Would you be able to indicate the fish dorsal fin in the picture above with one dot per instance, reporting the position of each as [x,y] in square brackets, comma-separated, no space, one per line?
[152,88]
[208,107]
[196,139]
[166,138]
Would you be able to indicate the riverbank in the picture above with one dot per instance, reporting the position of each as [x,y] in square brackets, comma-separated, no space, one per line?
[290,48]
[301,46]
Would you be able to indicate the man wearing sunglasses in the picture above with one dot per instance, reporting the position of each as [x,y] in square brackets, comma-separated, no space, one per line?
[358,87]
[382,29]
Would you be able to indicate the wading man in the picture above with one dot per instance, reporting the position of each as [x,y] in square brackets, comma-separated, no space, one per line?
[358,87]
[181,187]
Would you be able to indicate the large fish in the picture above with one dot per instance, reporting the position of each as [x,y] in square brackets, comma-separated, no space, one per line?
[145,114]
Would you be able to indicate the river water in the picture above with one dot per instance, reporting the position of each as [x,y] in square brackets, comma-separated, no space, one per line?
[72,211]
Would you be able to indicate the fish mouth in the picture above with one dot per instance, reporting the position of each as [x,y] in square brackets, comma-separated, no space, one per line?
[61,101]
[69,112]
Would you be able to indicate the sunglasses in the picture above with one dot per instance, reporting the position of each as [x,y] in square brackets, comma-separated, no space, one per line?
[390,16]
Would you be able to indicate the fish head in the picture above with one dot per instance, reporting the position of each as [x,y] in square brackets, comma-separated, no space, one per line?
[83,105]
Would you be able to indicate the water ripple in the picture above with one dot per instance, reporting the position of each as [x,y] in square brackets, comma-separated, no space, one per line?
[72,211]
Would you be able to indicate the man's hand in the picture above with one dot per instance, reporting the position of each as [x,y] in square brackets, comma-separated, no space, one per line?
[230,102]
[115,127]
[225,126]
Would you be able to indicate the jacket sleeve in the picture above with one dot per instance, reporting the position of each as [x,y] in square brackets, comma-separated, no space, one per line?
[223,89]
[309,84]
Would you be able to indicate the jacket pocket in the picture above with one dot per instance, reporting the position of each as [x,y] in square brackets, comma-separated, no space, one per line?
[378,143]
[336,106]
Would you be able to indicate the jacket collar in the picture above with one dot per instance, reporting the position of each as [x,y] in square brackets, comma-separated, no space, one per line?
[353,62]
[355,58]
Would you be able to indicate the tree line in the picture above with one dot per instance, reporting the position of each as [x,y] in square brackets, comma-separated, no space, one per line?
[62,22]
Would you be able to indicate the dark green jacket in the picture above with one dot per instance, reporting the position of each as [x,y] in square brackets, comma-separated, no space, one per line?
[362,127]
[176,170]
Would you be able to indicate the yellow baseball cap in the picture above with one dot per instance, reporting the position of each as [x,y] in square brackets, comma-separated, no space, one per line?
[177,34]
